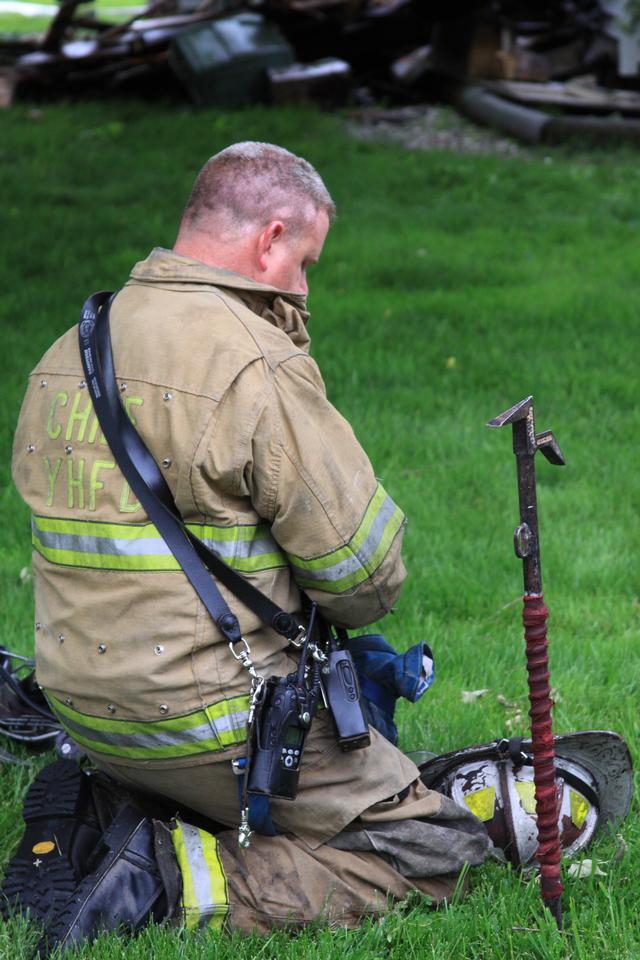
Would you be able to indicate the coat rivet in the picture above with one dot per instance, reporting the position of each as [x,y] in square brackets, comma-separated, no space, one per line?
[61,638]
[164,708]
[102,648]
[123,387]
[158,649]
[111,708]
[68,701]
[166,462]
[43,382]
[167,396]
[31,448]
[68,449]
[82,384]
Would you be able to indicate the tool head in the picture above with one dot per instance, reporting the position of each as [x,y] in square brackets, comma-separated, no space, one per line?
[548,445]
[526,440]
[519,411]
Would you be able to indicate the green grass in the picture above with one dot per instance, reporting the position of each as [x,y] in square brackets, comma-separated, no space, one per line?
[451,287]
[17,23]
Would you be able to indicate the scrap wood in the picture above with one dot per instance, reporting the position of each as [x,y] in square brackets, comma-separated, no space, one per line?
[58,26]
[118,71]
[147,19]
[579,92]
[135,47]
[115,31]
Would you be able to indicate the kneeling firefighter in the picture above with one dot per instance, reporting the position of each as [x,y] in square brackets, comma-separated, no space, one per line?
[191,435]
[95,856]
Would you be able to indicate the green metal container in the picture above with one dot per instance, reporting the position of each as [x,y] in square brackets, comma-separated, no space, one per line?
[224,63]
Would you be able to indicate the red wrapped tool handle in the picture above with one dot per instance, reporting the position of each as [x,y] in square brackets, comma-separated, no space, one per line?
[534,616]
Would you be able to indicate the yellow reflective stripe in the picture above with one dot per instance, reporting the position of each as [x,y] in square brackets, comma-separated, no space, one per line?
[98,561]
[99,528]
[95,528]
[205,894]
[356,561]
[190,905]
[217,879]
[370,515]
[247,548]
[217,726]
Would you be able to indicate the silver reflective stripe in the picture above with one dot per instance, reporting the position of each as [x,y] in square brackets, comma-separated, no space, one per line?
[242,548]
[150,546]
[206,731]
[359,558]
[199,871]
[139,546]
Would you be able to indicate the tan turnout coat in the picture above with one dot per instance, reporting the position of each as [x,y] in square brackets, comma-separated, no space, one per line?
[215,373]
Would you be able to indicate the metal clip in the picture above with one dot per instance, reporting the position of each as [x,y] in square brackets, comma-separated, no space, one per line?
[244,654]
[256,696]
[300,637]
[244,830]
[318,654]
[245,658]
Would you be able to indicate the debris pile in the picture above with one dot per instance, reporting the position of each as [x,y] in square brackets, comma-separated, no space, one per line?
[496,60]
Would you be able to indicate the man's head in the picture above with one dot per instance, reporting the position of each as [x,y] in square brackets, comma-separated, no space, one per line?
[258,210]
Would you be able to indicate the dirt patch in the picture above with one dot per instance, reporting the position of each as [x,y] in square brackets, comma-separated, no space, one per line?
[428,128]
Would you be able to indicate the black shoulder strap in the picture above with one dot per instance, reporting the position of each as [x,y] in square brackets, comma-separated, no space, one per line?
[150,487]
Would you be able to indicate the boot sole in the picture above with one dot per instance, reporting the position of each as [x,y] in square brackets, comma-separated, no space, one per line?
[41,876]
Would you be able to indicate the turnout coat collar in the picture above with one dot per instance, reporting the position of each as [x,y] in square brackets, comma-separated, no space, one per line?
[282,308]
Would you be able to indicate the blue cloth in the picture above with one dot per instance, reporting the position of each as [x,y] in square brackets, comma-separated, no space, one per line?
[385,675]
[259,809]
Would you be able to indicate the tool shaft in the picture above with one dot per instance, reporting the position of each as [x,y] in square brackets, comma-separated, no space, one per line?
[535,614]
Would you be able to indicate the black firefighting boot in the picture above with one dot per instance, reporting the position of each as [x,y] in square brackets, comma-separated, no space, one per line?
[126,889]
[61,833]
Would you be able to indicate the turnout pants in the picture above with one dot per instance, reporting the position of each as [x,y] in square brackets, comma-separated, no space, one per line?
[362,833]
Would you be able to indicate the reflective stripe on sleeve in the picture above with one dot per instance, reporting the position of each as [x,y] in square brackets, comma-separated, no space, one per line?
[128,546]
[350,565]
[220,725]
[205,895]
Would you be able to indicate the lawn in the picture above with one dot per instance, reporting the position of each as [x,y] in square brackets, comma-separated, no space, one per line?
[13,22]
[451,287]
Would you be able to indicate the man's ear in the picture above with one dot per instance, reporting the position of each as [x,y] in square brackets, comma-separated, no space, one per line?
[267,237]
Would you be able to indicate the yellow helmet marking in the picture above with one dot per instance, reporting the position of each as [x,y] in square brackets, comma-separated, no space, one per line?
[482,802]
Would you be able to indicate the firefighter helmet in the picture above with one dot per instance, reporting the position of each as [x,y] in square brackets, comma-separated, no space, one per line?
[495,780]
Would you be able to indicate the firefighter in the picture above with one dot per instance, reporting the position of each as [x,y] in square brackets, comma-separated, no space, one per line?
[212,360]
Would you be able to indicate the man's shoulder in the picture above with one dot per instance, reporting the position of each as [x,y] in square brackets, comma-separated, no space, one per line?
[63,356]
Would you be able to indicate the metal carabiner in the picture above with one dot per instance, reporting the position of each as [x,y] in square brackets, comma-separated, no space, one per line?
[318,655]
[244,658]
[244,655]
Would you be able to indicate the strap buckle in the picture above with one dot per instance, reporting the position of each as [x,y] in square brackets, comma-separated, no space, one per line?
[512,748]
[300,637]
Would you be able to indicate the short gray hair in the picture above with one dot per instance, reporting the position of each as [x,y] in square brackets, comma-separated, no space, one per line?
[255,183]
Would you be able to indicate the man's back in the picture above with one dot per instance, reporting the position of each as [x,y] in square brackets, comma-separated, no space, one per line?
[266,471]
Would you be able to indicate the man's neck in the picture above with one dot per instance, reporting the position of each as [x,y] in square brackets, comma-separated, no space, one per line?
[215,254]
